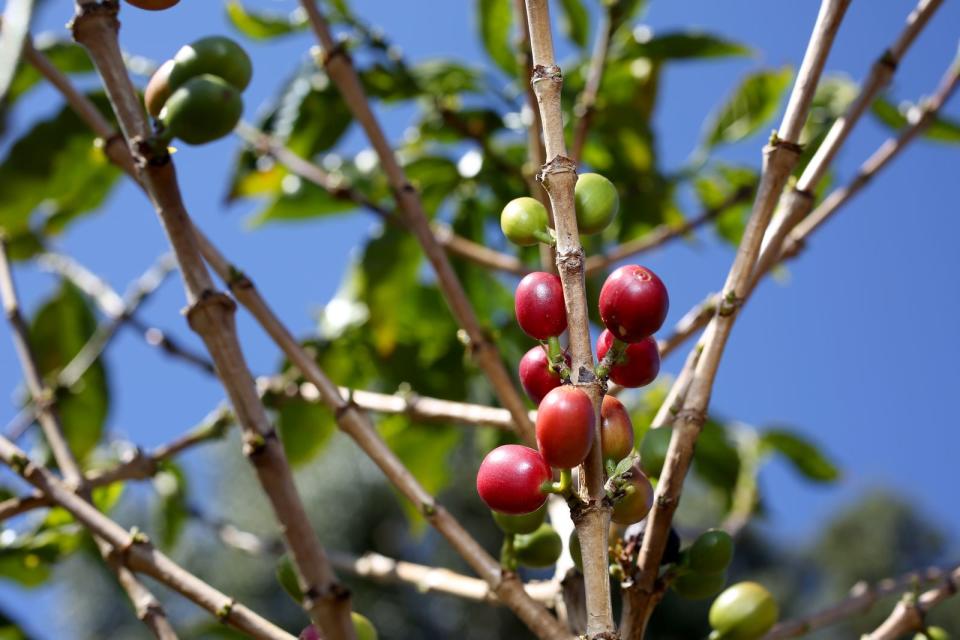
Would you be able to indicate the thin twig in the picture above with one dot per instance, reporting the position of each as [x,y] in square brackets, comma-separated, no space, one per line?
[780,156]
[862,598]
[211,314]
[586,102]
[558,176]
[910,613]
[339,66]
[148,608]
[136,552]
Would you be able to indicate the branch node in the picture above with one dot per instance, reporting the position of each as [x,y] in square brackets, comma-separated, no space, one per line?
[89,11]
[690,416]
[888,60]
[223,613]
[215,302]
[570,262]
[550,73]
[238,279]
[730,303]
[556,165]
[777,143]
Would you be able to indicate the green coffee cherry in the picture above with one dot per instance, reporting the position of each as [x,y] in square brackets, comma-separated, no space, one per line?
[525,523]
[525,222]
[711,552]
[933,633]
[575,554]
[204,109]
[697,586]
[539,549]
[363,627]
[597,203]
[216,55]
[653,450]
[745,611]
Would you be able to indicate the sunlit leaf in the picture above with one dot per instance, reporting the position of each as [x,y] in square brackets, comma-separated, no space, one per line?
[263,25]
[495,19]
[305,427]
[750,108]
[941,128]
[65,55]
[575,21]
[29,558]
[686,45]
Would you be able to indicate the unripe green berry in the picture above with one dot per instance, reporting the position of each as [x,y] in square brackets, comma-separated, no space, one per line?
[933,633]
[597,203]
[575,553]
[523,220]
[216,55]
[204,109]
[711,552]
[653,450]
[524,523]
[745,611]
[362,627]
[697,586]
[539,549]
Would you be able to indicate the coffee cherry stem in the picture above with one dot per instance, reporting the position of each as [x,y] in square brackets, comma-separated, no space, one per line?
[546,236]
[562,487]
[558,362]
[613,357]
[508,552]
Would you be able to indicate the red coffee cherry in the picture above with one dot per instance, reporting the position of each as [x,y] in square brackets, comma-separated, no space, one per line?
[565,427]
[616,430]
[535,374]
[640,363]
[633,303]
[510,477]
[636,504]
[539,305]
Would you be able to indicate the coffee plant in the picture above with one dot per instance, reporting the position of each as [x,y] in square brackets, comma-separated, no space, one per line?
[546,334]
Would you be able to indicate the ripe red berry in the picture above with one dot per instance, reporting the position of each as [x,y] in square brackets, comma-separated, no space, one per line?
[616,430]
[535,374]
[640,363]
[539,305]
[565,427]
[636,504]
[633,303]
[510,478]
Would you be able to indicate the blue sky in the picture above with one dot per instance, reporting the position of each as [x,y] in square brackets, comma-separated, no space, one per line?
[857,349]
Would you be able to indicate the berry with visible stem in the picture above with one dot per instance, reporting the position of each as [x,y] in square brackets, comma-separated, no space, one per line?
[698,586]
[217,55]
[539,305]
[616,430]
[510,479]
[596,202]
[158,89]
[565,427]
[523,523]
[745,611]
[525,222]
[711,552]
[539,549]
[638,363]
[153,5]
[633,499]
[653,450]
[537,375]
[204,109]
[633,303]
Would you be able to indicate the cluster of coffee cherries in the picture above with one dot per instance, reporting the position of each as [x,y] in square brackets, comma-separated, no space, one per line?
[514,480]
[195,96]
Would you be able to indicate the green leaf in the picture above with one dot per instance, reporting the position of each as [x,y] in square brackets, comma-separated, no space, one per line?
[718,189]
[575,21]
[305,428]
[29,558]
[686,46]
[170,484]
[941,129]
[750,108]
[263,25]
[495,19]
[55,164]
[435,178]
[287,577]
[60,328]
[65,55]
[716,459]
[805,457]
[9,629]
[301,200]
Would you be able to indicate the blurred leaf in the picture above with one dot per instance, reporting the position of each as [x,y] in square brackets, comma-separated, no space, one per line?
[450,126]
[721,188]
[29,558]
[287,577]
[495,19]
[262,25]
[55,164]
[65,55]
[716,459]
[59,329]
[425,450]
[443,77]
[575,21]
[435,178]
[170,484]
[305,428]
[301,200]
[940,128]
[686,45]
[390,265]
[750,108]
[9,629]
[803,454]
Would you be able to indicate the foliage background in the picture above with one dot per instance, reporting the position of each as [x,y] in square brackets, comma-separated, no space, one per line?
[852,348]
